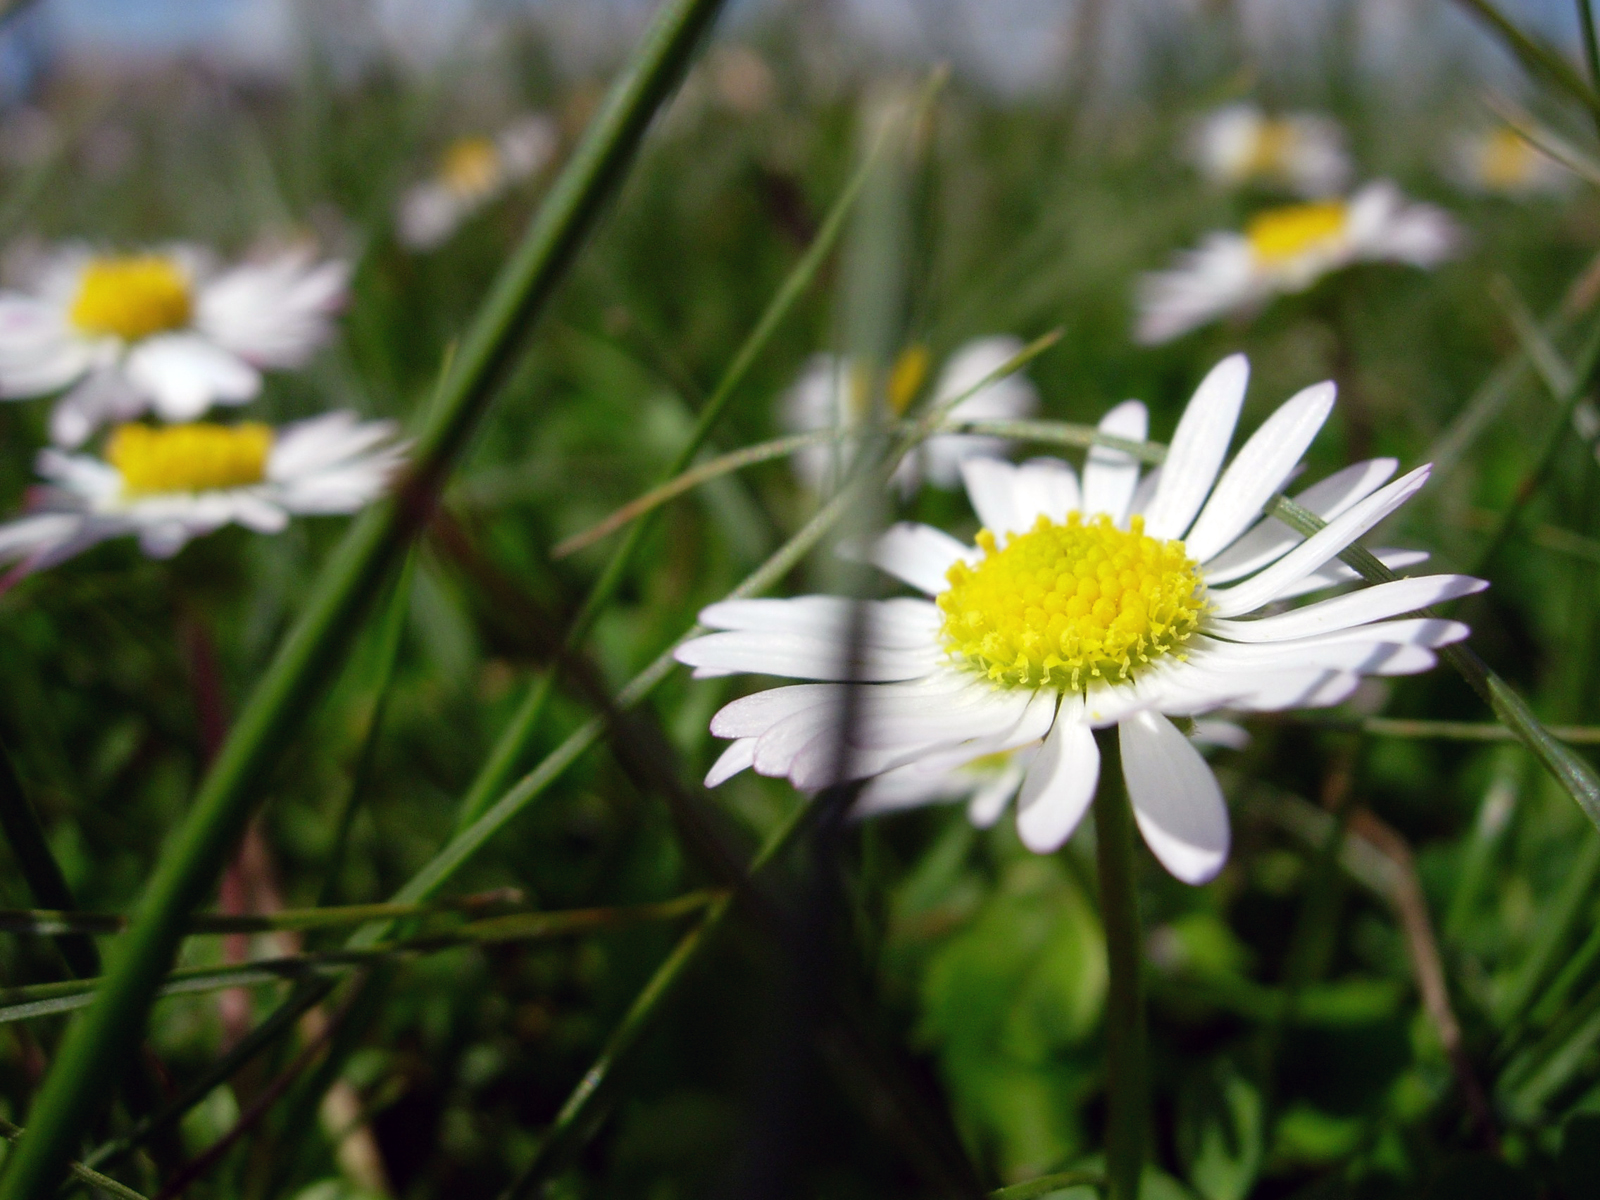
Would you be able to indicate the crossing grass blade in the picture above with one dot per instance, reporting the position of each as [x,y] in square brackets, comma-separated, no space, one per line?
[500,767]
[103,1036]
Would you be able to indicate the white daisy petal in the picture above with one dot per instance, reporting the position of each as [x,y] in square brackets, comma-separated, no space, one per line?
[274,313]
[919,555]
[1337,573]
[740,756]
[1059,786]
[989,801]
[1377,603]
[1225,734]
[1270,539]
[1317,549]
[1110,475]
[753,715]
[991,484]
[1175,797]
[1044,487]
[1198,448]
[804,656]
[1259,470]
[184,374]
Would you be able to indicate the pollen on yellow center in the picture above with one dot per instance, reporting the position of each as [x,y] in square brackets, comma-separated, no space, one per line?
[196,457]
[1067,605]
[1507,160]
[1279,234]
[131,297]
[471,166]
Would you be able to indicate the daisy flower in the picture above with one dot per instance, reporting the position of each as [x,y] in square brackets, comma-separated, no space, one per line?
[472,171]
[1288,249]
[1113,600]
[1301,152]
[167,484]
[161,331]
[830,394]
[1501,162]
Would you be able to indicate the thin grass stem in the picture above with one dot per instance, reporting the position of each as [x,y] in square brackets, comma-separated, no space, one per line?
[1537,57]
[1047,1184]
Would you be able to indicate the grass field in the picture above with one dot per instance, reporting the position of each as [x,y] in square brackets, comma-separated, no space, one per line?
[1390,990]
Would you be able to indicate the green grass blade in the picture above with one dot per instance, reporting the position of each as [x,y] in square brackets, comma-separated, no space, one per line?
[40,870]
[498,770]
[75,1086]
[1537,57]
[1046,1184]
[578,1116]
[81,1172]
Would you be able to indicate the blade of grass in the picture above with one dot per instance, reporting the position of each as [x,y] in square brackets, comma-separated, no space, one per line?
[1537,57]
[578,1115]
[1591,49]
[44,999]
[75,1086]
[388,652]
[1046,1184]
[80,1172]
[40,871]
[499,768]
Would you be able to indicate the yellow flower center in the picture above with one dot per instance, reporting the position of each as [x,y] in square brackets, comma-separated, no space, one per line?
[197,457]
[1280,234]
[131,297]
[1507,160]
[471,166]
[1067,605]
[905,379]
[1270,153]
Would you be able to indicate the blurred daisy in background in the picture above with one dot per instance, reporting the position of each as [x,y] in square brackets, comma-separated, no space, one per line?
[471,172]
[1288,249]
[1499,161]
[1298,152]
[162,331]
[1111,601]
[168,484]
[829,395]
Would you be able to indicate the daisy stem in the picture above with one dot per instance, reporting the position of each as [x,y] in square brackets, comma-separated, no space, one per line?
[1126,1086]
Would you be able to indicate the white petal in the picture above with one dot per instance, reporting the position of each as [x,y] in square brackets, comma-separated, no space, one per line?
[909,787]
[39,351]
[1270,539]
[753,715]
[737,757]
[1145,492]
[1110,475]
[1225,734]
[1175,798]
[898,622]
[274,314]
[1059,786]
[1259,470]
[184,375]
[1198,448]
[920,555]
[1336,573]
[990,484]
[99,399]
[1319,548]
[805,656]
[989,801]
[1045,487]
[1219,277]
[1366,657]
[1376,603]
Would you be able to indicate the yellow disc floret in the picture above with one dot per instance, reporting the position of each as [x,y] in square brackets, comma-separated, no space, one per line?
[197,457]
[1067,605]
[131,297]
[1507,160]
[1279,234]
[471,166]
